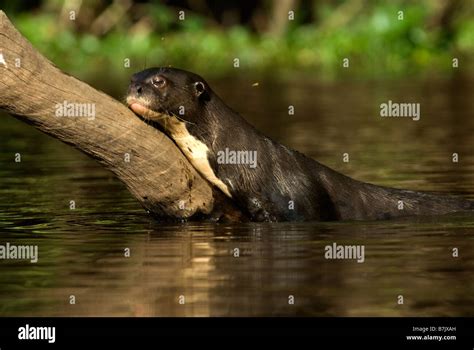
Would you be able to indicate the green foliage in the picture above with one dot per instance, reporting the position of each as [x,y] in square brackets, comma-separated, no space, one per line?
[376,42]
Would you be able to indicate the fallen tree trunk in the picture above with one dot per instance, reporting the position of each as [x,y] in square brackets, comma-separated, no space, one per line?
[153,169]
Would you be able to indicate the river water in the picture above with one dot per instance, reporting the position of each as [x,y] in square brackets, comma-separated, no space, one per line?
[191,269]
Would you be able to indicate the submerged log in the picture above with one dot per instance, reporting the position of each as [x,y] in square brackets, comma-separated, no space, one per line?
[150,165]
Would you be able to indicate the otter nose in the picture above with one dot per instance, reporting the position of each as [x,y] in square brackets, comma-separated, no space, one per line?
[136,87]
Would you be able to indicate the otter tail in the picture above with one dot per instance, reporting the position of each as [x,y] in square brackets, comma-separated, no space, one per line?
[384,202]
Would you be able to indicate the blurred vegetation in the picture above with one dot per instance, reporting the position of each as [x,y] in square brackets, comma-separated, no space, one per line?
[371,34]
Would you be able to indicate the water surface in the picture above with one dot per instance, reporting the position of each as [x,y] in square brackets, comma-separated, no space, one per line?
[82,250]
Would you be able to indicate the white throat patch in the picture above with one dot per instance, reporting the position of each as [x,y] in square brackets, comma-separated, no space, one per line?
[193,149]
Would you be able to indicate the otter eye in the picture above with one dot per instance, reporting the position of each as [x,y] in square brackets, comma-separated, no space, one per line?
[159,82]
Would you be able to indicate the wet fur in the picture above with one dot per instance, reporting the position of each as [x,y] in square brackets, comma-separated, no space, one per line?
[282,175]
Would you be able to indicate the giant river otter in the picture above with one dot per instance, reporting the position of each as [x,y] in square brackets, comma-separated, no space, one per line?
[267,180]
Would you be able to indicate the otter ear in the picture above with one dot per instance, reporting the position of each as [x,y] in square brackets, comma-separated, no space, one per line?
[200,90]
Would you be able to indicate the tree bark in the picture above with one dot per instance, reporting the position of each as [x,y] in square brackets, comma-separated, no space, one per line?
[153,169]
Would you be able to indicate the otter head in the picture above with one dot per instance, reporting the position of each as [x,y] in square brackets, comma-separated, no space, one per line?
[165,94]
[176,99]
